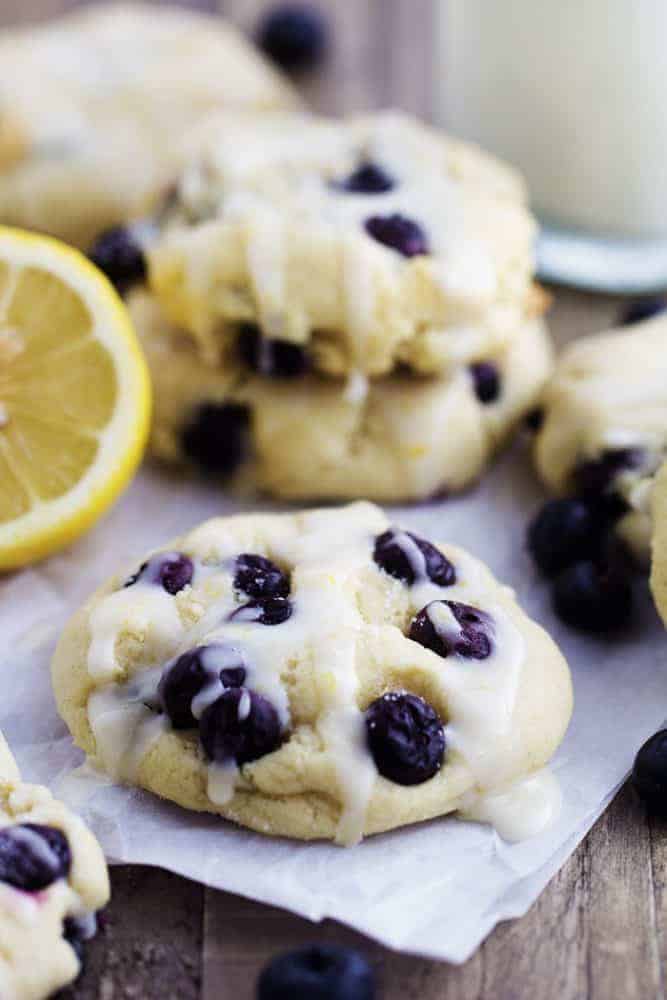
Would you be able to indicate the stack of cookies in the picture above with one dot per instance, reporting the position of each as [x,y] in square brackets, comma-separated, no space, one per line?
[339,308]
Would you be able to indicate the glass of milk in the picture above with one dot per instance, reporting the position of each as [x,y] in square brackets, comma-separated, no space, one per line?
[573,93]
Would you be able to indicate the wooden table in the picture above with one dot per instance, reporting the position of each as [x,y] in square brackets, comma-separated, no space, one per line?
[598,931]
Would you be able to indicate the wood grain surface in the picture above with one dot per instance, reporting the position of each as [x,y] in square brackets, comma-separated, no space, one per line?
[599,930]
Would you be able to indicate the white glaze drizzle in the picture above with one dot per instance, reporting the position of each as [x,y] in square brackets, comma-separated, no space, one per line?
[326,550]
[524,809]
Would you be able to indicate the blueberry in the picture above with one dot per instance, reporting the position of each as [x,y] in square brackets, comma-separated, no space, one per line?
[641,309]
[401,234]
[118,254]
[266,611]
[534,419]
[406,738]
[171,570]
[33,856]
[215,438]
[294,36]
[468,635]
[184,679]
[258,577]
[368,178]
[486,381]
[317,972]
[394,552]
[240,725]
[593,598]
[563,532]
[596,476]
[273,358]
[649,774]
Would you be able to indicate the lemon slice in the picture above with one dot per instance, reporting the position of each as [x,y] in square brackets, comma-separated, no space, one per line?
[74,396]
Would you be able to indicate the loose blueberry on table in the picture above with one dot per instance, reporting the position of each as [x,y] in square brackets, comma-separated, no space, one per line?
[468,637]
[649,774]
[214,439]
[398,233]
[119,255]
[294,36]
[406,738]
[317,972]
[593,598]
[392,553]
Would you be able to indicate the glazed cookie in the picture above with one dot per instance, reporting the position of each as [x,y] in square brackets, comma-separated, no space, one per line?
[93,108]
[659,542]
[605,422]
[316,675]
[371,242]
[264,419]
[53,880]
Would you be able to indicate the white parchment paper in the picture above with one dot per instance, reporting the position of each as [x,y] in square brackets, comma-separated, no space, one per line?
[435,889]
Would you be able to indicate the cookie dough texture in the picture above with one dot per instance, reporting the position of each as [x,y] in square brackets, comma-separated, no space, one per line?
[35,958]
[264,228]
[344,646]
[609,393]
[312,437]
[94,106]
[659,542]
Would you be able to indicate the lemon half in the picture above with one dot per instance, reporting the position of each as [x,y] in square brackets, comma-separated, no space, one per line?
[74,396]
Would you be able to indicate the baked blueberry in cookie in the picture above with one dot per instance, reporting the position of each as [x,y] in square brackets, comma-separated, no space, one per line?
[594,477]
[299,689]
[317,972]
[271,357]
[33,856]
[53,880]
[450,628]
[399,233]
[406,738]
[486,381]
[409,558]
[240,726]
[259,577]
[203,669]
[118,253]
[264,611]
[214,439]
[368,178]
[563,532]
[170,570]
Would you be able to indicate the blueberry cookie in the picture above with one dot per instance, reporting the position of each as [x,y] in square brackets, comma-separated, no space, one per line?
[263,418]
[53,880]
[93,108]
[370,243]
[659,542]
[604,433]
[313,675]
